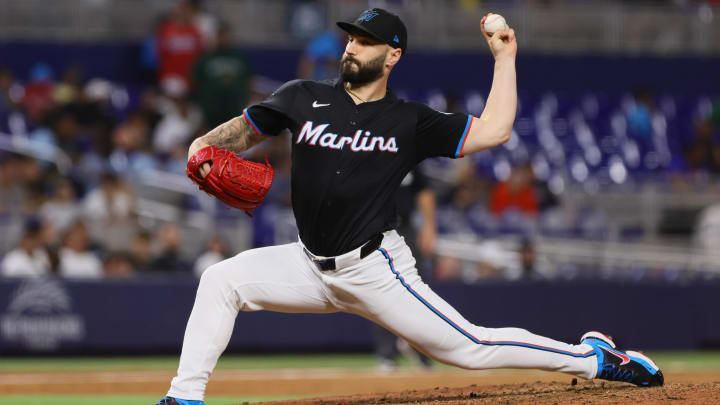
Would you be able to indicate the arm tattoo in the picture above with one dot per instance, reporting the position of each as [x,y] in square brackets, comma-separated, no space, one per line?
[235,135]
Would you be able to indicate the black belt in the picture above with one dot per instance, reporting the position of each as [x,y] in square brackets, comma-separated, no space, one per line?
[329,263]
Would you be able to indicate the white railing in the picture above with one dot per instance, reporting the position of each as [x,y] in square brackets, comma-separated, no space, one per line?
[599,255]
[38,150]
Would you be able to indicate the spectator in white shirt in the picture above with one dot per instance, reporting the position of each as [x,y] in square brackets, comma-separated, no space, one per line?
[62,209]
[76,259]
[29,259]
[108,210]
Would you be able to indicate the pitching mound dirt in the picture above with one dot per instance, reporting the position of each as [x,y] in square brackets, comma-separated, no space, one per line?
[539,393]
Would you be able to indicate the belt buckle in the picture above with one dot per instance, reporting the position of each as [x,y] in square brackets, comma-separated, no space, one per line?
[316,259]
[320,263]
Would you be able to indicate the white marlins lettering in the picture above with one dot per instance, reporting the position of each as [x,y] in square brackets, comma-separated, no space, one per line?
[361,141]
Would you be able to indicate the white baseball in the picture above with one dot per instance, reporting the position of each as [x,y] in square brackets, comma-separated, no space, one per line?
[494,22]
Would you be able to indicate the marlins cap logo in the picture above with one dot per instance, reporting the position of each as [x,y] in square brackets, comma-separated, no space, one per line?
[368,15]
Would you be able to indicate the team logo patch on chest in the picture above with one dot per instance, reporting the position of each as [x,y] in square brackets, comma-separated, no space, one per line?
[361,141]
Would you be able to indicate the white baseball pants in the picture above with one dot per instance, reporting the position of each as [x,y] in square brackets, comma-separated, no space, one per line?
[384,287]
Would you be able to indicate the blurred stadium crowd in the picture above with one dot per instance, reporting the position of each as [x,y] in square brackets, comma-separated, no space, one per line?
[75,150]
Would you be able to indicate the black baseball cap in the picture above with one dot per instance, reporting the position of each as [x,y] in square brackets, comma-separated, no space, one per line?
[381,25]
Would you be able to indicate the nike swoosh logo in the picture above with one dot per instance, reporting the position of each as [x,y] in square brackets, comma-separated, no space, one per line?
[625,359]
[316,105]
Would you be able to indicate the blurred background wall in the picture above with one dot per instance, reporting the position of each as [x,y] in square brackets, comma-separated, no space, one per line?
[610,179]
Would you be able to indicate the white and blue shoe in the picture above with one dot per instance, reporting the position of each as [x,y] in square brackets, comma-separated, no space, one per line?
[177,401]
[629,366]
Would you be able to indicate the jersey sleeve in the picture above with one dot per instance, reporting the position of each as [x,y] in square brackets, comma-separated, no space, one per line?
[441,134]
[276,112]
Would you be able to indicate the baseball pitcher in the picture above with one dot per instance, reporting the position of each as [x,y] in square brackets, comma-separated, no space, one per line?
[353,142]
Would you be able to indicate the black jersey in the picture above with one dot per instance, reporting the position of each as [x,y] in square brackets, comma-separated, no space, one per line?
[348,160]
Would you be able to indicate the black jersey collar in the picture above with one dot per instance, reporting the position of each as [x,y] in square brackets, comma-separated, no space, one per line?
[389,95]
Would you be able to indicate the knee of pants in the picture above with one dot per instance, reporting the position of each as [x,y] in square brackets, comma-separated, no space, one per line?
[457,350]
[224,281]
[455,358]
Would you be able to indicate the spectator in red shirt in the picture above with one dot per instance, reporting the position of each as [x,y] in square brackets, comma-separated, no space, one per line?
[179,44]
[517,193]
[38,99]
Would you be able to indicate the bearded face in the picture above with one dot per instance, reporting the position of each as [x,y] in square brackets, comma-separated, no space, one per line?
[355,72]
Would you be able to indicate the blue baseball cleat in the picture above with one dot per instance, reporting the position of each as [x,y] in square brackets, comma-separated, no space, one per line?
[629,366]
[177,401]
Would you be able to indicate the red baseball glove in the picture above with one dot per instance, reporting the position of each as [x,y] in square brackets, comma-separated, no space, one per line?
[235,181]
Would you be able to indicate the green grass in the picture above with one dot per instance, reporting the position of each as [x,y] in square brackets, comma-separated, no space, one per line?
[686,361]
[698,360]
[121,399]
